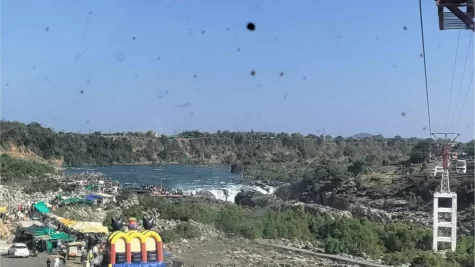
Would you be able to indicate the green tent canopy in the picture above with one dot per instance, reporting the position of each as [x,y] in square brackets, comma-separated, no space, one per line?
[62,236]
[40,231]
[41,207]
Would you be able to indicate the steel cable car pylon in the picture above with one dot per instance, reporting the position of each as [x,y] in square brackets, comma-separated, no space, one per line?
[444,192]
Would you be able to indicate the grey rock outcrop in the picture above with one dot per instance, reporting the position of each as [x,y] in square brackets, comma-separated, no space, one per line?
[205,194]
[254,198]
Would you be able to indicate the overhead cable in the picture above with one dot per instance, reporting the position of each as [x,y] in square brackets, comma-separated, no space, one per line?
[425,67]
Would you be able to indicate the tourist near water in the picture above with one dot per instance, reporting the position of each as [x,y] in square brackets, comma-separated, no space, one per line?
[216,179]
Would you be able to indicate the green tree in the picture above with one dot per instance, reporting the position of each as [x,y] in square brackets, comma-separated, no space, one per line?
[420,152]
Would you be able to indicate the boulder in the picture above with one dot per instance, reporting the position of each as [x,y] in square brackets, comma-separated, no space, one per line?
[254,198]
[205,194]
[237,168]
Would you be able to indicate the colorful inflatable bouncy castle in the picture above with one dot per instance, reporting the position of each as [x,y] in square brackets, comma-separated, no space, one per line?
[134,248]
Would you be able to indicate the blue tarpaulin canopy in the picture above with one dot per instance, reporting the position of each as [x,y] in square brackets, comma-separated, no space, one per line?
[90,198]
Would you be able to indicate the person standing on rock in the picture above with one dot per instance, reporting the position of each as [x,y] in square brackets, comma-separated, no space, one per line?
[226,194]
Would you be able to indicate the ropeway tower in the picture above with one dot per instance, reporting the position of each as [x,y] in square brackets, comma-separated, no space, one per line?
[448,141]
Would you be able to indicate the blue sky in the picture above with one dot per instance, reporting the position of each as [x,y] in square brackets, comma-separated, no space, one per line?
[347,69]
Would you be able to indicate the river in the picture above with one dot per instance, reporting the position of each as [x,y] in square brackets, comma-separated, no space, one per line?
[189,178]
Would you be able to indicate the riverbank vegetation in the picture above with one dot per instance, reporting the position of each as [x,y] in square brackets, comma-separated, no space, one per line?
[258,152]
[33,176]
[197,147]
[394,243]
[20,170]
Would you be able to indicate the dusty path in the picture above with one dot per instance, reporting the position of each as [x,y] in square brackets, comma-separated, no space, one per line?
[337,258]
[231,252]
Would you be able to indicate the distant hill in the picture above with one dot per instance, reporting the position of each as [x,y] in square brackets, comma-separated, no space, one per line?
[362,135]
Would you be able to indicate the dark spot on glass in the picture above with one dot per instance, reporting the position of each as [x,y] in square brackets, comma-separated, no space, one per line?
[276,39]
[253,73]
[203,32]
[421,55]
[88,81]
[259,85]
[46,29]
[227,29]
[158,58]
[7,84]
[238,49]
[34,66]
[87,122]
[166,92]
[285,96]
[187,104]
[133,38]
[403,114]
[192,113]
[304,78]
[195,76]
[339,37]
[404,28]
[119,57]
[81,92]
[90,12]
[281,74]
[377,38]
[394,66]
[251,26]
[424,128]
[136,75]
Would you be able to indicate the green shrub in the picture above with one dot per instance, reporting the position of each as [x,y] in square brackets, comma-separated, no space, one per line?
[169,236]
[398,243]
[187,230]
[18,170]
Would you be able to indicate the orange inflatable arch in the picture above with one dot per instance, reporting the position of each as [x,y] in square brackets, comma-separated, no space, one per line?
[133,241]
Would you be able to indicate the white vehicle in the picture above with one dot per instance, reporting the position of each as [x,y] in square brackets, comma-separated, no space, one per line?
[433,172]
[19,250]
[461,166]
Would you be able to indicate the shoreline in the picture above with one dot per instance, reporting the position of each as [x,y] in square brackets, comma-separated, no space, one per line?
[145,163]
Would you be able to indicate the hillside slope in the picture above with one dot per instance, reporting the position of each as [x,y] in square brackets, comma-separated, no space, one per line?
[191,147]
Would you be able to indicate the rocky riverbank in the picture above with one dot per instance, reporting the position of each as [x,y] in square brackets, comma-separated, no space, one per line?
[378,210]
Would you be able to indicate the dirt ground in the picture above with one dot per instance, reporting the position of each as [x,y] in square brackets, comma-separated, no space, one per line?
[40,261]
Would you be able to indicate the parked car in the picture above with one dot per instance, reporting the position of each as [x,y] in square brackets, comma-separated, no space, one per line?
[19,250]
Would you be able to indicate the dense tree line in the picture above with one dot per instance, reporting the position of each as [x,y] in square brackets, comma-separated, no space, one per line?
[194,146]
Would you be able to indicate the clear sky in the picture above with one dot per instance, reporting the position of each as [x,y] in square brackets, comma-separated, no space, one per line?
[346,69]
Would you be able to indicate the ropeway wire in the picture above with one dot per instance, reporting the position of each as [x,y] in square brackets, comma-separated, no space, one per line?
[461,81]
[452,85]
[465,101]
[425,67]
